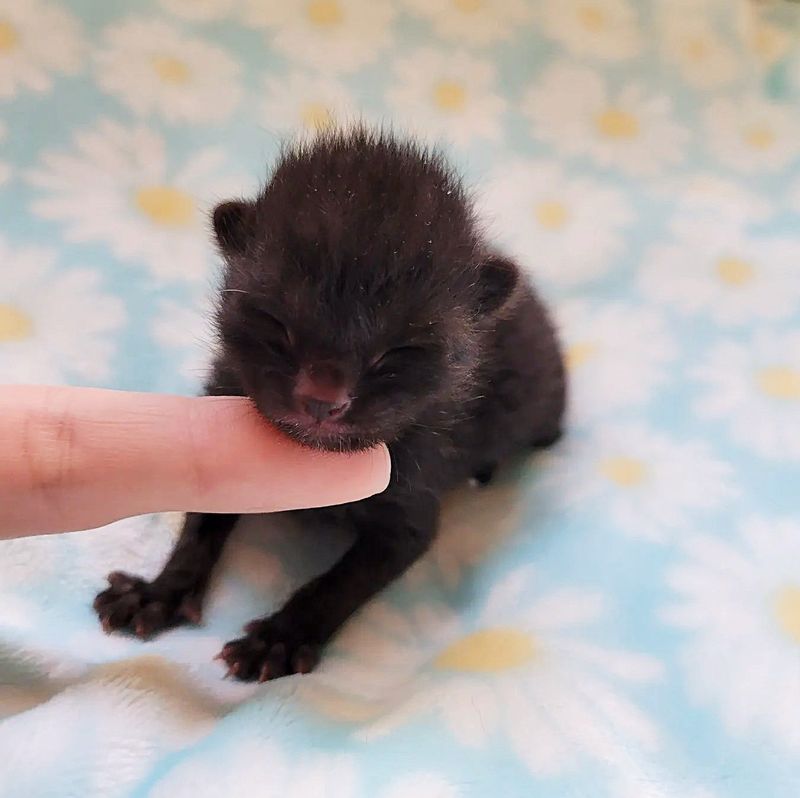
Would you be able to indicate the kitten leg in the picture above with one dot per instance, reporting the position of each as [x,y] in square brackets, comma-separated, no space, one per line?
[176,595]
[391,538]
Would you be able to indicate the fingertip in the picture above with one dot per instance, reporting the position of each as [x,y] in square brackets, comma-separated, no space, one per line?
[383,469]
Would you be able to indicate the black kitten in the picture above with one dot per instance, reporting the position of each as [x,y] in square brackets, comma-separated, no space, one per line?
[361,304]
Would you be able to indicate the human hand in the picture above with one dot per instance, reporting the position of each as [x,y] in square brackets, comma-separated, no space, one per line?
[78,458]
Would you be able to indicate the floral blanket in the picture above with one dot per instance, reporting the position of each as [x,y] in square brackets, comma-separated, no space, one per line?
[618,617]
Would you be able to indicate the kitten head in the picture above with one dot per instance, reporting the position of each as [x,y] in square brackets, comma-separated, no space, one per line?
[356,290]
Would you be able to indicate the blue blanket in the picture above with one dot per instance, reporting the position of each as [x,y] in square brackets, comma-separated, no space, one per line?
[617,617]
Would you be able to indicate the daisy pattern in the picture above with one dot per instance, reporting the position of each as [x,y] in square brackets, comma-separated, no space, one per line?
[718,200]
[794,197]
[649,485]
[56,324]
[449,95]
[475,521]
[5,169]
[690,43]
[24,561]
[473,22]
[767,41]
[751,134]
[738,599]
[120,715]
[722,274]
[143,544]
[199,10]
[187,329]
[617,355]
[261,766]
[334,35]
[117,187]
[154,68]
[755,389]
[422,785]
[567,230]
[37,41]
[274,772]
[572,109]
[604,29]
[521,670]
[306,103]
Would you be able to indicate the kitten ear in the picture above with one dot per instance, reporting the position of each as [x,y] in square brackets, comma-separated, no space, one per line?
[233,222]
[498,278]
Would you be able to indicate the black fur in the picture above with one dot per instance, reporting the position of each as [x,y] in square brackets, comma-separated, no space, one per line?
[361,265]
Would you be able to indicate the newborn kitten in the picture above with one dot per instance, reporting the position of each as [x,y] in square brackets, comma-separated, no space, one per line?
[361,304]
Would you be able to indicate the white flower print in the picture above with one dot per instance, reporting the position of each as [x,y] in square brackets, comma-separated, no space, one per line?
[474,22]
[56,324]
[306,104]
[564,229]
[738,598]
[751,134]
[754,387]
[604,29]
[38,41]
[336,35]
[447,95]
[617,355]
[648,484]
[571,108]
[732,278]
[155,68]
[117,186]
[523,669]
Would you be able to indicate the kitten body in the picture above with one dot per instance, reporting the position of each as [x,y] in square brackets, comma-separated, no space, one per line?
[361,304]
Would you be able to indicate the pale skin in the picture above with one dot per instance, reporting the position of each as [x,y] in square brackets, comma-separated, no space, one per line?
[79,458]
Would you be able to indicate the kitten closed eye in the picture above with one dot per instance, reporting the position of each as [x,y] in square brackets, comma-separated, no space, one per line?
[392,360]
[262,328]
[281,332]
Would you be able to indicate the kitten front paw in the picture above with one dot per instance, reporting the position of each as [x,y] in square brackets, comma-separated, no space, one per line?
[143,608]
[270,649]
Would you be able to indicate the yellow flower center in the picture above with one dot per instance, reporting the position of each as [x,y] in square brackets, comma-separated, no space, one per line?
[325,13]
[8,37]
[626,472]
[468,6]
[15,325]
[450,96]
[578,354]
[735,271]
[759,137]
[171,70]
[770,42]
[613,123]
[488,651]
[316,116]
[780,382]
[697,49]
[165,205]
[787,611]
[592,18]
[551,214]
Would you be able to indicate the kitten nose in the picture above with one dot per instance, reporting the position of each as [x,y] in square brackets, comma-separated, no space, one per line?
[321,409]
[322,399]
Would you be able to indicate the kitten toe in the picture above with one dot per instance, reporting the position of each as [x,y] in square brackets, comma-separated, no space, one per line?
[132,605]
[269,651]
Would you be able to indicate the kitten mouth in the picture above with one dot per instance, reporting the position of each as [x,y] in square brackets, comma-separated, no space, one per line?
[329,436]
